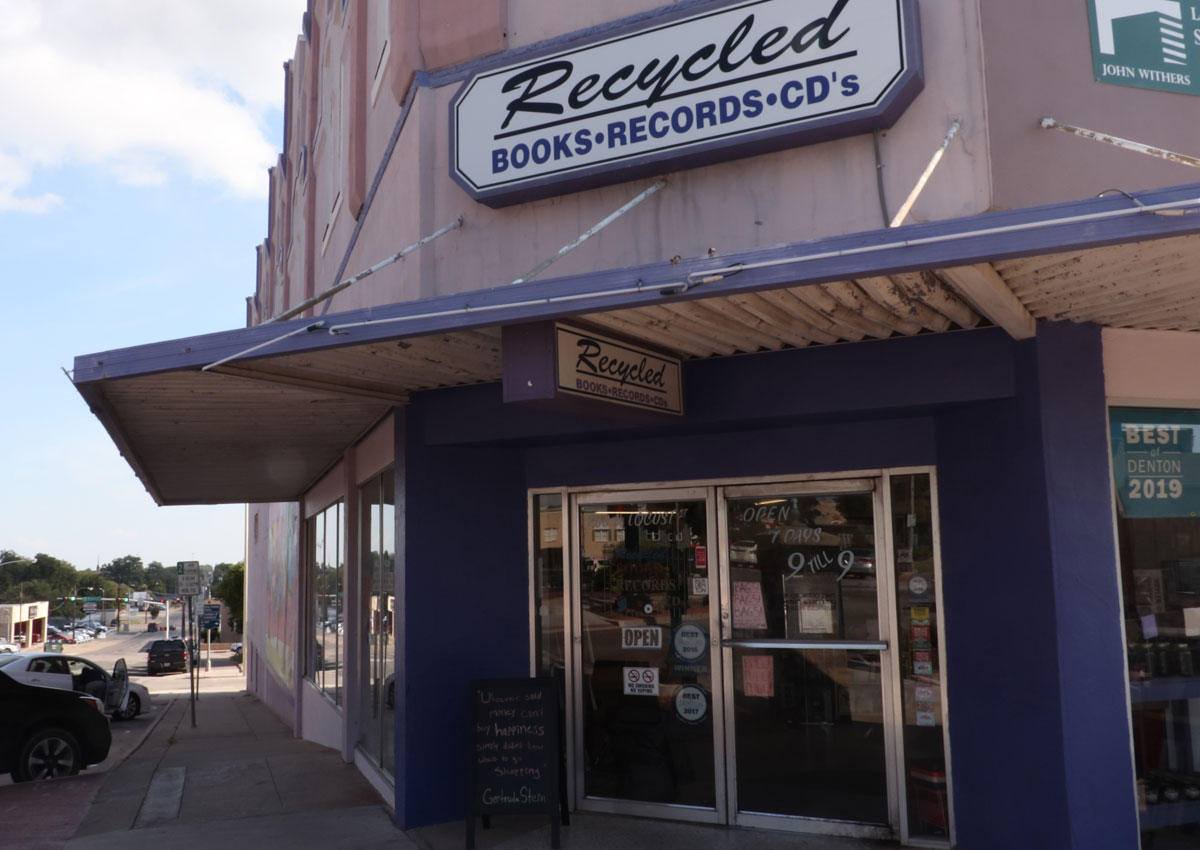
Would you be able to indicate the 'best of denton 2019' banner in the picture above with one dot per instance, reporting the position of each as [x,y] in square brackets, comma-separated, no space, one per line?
[740,80]
[1151,44]
[1155,461]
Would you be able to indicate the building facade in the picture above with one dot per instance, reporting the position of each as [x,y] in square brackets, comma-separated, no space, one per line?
[24,624]
[807,385]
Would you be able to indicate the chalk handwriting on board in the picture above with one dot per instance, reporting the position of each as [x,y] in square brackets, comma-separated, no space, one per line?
[515,750]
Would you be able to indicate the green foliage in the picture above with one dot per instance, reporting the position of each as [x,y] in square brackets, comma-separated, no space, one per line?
[45,578]
[127,569]
[231,590]
[160,579]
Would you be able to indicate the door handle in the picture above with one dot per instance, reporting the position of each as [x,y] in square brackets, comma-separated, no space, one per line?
[781,643]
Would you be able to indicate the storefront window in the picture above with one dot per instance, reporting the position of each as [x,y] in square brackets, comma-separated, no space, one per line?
[327,557]
[1157,472]
[548,584]
[377,722]
[919,649]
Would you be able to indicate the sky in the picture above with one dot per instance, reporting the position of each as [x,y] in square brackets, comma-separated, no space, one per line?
[135,138]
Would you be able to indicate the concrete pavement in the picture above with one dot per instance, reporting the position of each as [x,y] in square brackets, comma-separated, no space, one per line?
[241,780]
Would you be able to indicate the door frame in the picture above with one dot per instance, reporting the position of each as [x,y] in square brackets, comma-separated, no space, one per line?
[572,565]
[884,579]
[654,490]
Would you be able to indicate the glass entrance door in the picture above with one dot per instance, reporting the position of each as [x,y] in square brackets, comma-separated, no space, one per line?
[763,655]
[647,720]
[806,664]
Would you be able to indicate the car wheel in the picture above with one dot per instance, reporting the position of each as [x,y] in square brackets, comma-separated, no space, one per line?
[48,754]
[132,708]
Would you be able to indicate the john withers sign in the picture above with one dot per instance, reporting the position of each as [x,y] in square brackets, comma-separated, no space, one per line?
[1151,44]
[747,78]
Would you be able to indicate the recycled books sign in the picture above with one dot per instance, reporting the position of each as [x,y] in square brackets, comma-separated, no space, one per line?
[1151,44]
[682,91]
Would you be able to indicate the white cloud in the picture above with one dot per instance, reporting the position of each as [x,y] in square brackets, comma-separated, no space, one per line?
[140,88]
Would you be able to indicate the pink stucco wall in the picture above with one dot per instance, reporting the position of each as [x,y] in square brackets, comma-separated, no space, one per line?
[1038,62]
[1152,368]
[803,193]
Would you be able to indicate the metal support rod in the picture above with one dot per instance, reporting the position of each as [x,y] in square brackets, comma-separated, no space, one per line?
[350,281]
[189,643]
[1126,144]
[902,213]
[589,233]
[314,326]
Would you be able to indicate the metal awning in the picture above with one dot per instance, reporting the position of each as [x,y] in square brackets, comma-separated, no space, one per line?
[258,414]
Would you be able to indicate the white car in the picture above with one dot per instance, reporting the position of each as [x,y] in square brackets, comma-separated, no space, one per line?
[5,646]
[123,699]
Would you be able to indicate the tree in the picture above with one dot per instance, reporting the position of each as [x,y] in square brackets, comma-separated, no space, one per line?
[125,570]
[231,590]
[160,579]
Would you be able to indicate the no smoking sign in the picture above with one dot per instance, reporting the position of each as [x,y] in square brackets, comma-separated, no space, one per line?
[641,681]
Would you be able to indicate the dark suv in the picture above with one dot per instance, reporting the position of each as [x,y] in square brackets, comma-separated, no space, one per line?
[166,655]
[46,732]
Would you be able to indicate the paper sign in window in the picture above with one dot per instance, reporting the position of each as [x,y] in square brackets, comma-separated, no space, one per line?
[1191,623]
[758,675]
[816,613]
[748,610]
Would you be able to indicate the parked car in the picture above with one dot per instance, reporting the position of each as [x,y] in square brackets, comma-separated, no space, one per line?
[166,655]
[123,699]
[5,646]
[46,733]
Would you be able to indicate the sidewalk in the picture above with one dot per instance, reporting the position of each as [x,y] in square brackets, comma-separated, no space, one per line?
[237,780]
[241,780]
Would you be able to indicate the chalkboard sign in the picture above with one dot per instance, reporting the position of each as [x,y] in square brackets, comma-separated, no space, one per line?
[514,755]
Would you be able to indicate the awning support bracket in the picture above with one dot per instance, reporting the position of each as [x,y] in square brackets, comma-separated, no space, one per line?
[1124,144]
[350,281]
[902,213]
[589,233]
[307,328]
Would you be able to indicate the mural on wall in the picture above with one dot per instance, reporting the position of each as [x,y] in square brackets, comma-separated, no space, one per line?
[283,561]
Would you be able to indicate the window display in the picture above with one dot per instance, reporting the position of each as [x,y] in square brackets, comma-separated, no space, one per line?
[1158,530]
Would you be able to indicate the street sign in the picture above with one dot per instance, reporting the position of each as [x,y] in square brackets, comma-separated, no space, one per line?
[189,578]
[210,617]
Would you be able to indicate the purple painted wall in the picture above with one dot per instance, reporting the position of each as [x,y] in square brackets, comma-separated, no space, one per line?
[1039,729]
[1040,737]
